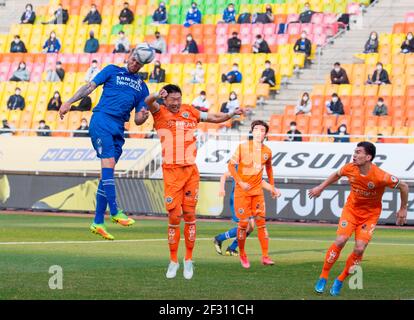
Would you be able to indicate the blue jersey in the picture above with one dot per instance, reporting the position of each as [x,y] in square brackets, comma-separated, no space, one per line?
[122,92]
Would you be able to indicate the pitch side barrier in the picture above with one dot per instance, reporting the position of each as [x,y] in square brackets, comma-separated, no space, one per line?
[63,193]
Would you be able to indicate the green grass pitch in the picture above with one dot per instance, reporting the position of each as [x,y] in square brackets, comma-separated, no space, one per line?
[135,269]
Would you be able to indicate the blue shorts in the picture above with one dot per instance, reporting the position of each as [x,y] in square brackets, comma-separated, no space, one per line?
[107,135]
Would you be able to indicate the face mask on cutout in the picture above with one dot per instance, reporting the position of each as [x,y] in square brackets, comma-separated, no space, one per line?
[293,128]
[342,129]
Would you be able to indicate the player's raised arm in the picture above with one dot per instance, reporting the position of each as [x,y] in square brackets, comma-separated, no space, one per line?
[151,100]
[316,192]
[402,213]
[83,92]
[220,116]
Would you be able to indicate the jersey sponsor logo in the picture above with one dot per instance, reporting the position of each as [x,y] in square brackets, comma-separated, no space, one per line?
[364,193]
[182,125]
[394,179]
[241,210]
[371,185]
[344,223]
[185,115]
[169,200]
[128,82]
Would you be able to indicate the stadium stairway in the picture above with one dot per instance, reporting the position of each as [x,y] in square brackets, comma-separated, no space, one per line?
[380,17]
[12,10]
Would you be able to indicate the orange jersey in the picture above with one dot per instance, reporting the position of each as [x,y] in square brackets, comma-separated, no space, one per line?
[176,132]
[250,159]
[365,199]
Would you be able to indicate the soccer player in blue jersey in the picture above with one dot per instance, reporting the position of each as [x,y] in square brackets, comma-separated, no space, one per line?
[123,91]
[232,233]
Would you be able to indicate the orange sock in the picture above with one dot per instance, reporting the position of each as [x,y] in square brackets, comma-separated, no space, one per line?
[190,237]
[174,219]
[173,241]
[352,260]
[241,239]
[264,240]
[331,256]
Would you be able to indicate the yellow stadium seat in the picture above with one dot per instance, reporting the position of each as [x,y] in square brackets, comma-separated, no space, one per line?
[260,58]
[371,58]
[331,89]
[344,90]
[237,87]
[298,59]
[280,8]
[385,38]
[3,43]
[291,8]
[224,88]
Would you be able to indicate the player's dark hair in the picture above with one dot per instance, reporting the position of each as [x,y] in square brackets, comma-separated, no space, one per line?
[260,123]
[369,148]
[171,88]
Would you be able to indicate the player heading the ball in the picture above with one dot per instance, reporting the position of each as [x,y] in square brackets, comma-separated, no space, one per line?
[123,91]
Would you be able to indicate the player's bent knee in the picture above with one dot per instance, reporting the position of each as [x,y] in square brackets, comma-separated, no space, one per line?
[260,222]
[108,163]
[243,224]
[174,216]
[341,241]
[360,247]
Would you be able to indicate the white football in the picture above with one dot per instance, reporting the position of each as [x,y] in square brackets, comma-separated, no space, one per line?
[144,53]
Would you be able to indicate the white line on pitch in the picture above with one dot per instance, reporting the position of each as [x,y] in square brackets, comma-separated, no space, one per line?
[165,240]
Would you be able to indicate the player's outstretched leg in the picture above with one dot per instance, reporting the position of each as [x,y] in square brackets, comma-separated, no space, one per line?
[241,237]
[190,231]
[174,219]
[98,225]
[263,236]
[117,216]
[330,258]
[218,240]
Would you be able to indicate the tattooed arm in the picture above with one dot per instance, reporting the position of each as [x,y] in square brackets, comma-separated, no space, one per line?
[83,92]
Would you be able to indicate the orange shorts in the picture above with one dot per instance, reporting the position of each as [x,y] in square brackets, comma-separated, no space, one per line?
[249,206]
[181,186]
[350,223]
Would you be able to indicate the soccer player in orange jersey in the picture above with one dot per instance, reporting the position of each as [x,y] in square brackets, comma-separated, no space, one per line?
[361,212]
[246,168]
[176,124]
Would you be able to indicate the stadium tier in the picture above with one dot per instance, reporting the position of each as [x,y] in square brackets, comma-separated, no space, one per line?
[211,37]
[360,98]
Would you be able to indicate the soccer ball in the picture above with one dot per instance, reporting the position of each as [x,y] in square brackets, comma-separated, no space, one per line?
[144,53]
